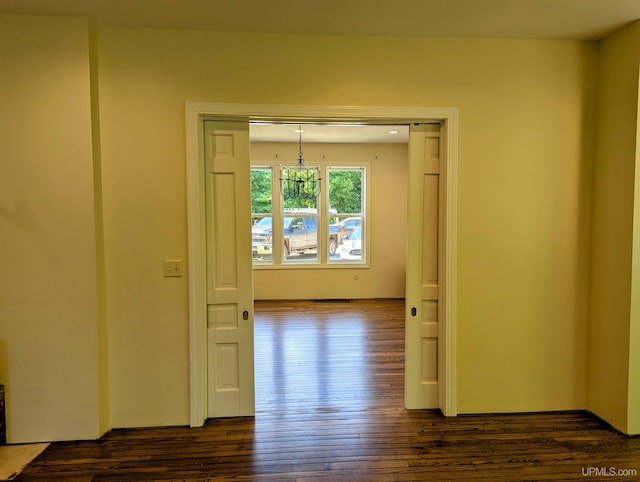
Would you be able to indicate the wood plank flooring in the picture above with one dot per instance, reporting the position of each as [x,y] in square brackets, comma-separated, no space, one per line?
[329,383]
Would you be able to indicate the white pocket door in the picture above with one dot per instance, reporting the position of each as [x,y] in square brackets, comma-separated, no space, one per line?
[230,386]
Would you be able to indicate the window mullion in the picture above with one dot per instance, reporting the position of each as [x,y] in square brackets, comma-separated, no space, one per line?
[323,230]
[276,199]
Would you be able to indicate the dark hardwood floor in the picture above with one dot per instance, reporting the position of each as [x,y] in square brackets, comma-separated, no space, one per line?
[329,383]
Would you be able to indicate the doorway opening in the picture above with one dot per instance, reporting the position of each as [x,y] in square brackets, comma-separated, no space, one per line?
[329,310]
[418,309]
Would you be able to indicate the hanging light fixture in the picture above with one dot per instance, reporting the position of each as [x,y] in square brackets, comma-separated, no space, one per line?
[300,182]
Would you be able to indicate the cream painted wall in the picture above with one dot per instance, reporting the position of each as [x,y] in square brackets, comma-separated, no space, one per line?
[613,239]
[385,276]
[526,119]
[48,287]
[633,409]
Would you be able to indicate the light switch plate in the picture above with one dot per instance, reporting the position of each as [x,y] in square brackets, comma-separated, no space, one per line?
[172,268]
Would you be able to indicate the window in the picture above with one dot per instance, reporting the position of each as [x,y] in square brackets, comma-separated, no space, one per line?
[345,187]
[328,231]
[300,226]
[262,214]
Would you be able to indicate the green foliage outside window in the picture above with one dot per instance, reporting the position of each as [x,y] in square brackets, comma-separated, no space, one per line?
[261,199]
[345,192]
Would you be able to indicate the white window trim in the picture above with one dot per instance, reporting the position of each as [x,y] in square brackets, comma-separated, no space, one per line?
[366,209]
[322,261]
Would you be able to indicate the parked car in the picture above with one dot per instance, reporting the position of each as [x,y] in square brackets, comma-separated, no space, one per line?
[262,238]
[347,225]
[352,246]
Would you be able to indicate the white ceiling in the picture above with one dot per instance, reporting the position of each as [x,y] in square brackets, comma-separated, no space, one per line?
[539,19]
[543,19]
[325,133]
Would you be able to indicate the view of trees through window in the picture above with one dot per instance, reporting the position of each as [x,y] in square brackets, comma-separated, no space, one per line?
[342,198]
[261,194]
[345,190]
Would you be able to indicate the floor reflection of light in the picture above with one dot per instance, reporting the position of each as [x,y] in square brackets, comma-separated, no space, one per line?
[321,371]
[319,360]
[345,378]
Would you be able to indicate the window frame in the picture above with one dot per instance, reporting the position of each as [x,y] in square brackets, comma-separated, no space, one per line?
[364,225]
[322,260]
[261,215]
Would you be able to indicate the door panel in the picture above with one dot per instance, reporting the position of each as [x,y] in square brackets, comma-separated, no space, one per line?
[422,290]
[223,262]
[230,379]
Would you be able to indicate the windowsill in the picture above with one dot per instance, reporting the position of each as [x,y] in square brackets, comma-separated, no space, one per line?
[343,265]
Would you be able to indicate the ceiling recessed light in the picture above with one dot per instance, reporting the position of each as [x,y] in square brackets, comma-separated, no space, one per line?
[298,131]
[393,132]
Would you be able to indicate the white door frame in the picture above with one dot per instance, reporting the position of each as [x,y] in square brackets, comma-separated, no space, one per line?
[196,112]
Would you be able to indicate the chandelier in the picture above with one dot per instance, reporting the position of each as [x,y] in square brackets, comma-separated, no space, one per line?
[300,182]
